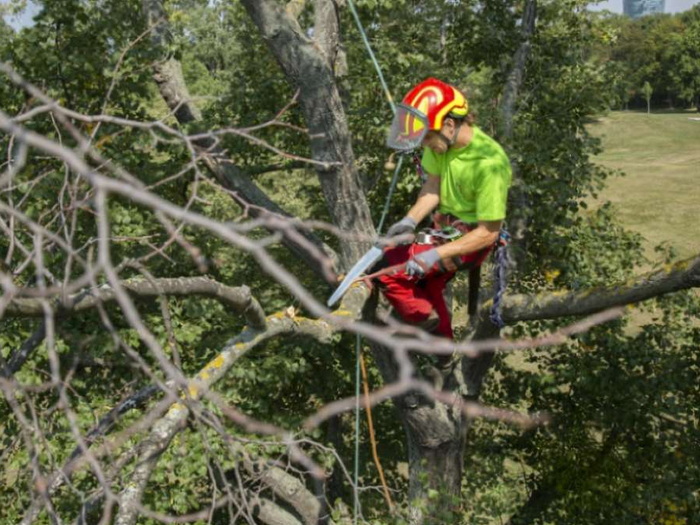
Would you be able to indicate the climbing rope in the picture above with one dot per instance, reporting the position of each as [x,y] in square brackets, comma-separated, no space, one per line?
[373,441]
[371,55]
[390,194]
[356,496]
[359,361]
[419,167]
[500,277]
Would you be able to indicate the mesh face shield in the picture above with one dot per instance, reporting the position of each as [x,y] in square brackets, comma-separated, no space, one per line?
[408,129]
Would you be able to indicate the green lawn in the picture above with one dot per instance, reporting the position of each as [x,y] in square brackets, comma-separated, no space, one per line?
[660,195]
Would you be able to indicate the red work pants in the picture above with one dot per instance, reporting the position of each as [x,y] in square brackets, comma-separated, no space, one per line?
[415,299]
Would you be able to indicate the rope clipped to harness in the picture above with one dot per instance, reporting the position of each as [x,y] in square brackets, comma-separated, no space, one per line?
[500,277]
[419,167]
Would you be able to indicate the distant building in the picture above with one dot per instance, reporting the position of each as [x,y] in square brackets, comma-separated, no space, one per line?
[637,8]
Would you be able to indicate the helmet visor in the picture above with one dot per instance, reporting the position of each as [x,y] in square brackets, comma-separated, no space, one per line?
[408,128]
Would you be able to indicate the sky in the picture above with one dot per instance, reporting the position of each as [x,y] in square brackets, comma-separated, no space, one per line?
[672,6]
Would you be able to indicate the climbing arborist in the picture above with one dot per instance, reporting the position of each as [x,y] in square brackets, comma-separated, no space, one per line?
[466,179]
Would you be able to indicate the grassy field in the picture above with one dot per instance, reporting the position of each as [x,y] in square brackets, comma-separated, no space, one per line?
[660,195]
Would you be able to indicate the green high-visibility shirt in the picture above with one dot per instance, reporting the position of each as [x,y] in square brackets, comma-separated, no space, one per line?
[474,180]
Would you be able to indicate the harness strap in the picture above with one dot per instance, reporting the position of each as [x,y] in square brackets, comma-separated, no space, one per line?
[474,284]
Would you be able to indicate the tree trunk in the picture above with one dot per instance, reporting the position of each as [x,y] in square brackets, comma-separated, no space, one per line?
[168,76]
[436,438]
[308,68]
[518,200]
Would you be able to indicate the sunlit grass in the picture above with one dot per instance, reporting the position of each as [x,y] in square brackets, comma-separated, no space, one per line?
[660,195]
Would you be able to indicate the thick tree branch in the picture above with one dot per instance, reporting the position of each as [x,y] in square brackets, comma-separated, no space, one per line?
[518,193]
[270,513]
[327,35]
[165,429]
[290,489]
[295,8]
[517,72]
[239,299]
[171,84]
[682,275]
[308,69]
[167,73]
[20,356]
[326,28]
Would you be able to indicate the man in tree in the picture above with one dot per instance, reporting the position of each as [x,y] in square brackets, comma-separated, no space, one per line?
[467,179]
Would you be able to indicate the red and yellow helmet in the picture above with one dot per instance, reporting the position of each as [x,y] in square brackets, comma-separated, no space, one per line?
[424,109]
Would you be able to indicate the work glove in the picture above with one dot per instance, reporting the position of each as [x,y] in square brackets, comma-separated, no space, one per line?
[404,226]
[422,263]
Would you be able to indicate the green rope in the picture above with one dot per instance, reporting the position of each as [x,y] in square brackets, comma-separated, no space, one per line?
[371,55]
[356,502]
[363,33]
[389,196]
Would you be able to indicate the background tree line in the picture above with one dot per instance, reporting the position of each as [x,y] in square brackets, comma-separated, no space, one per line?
[176,170]
[662,50]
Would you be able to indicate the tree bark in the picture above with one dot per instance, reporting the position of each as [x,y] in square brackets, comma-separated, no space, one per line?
[435,435]
[436,438]
[167,74]
[238,299]
[672,278]
[519,206]
[307,67]
[271,514]
[166,428]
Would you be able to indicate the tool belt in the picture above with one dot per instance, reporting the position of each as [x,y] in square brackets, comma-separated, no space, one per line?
[446,220]
[446,228]
[449,228]
[437,236]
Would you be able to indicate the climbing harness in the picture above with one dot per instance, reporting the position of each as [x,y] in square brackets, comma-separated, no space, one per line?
[437,236]
[500,277]
[419,167]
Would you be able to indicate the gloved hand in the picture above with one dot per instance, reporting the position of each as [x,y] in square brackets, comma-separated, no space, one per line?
[404,226]
[422,263]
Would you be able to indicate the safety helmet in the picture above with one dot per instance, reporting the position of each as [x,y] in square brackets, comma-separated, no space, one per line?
[424,109]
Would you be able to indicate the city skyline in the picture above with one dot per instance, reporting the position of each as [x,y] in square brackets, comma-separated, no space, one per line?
[637,8]
[672,6]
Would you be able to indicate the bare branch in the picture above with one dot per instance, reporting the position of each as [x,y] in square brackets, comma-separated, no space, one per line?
[308,69]
[167,427]
[239,299]
[171,84]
